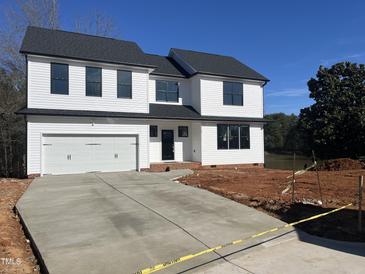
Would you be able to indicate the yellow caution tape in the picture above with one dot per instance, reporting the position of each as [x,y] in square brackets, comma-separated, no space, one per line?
[209,250]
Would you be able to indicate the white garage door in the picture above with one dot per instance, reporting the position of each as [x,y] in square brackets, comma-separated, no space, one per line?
[66,154]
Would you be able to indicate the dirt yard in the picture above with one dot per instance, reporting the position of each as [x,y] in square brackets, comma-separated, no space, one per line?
[16,255]
[262,189]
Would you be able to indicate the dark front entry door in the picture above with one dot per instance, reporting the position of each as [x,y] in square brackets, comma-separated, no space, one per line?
[167,145]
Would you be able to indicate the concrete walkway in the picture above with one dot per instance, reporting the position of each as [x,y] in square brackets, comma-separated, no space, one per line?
[123,222]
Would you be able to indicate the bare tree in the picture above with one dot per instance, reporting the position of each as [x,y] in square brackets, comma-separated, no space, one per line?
[12,134]
[19,15]
[96,24]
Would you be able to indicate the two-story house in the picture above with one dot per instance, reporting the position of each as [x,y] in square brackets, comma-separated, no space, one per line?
[101,104]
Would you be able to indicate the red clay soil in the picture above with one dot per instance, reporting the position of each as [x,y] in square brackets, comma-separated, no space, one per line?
[341,164]
[262,189]
[16,255]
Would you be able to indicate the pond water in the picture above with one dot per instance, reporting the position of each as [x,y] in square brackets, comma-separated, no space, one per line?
[281,161]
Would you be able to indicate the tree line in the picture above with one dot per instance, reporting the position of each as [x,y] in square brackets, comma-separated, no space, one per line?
[334,126]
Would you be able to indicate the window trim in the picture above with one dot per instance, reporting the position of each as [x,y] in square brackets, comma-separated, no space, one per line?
[239,136]
[180,128]
[232,94]
[249,136]
[178,91]
[101,81]
[156,127]
[68,79]
[131,85]
[227,127]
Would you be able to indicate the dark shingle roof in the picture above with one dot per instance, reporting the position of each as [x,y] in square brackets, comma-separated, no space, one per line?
[166,66]
[157,111]
[82,46]
[213,64]
[58,43]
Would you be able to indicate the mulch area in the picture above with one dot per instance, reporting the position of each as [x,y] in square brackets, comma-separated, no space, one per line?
[16,255]
[262,189]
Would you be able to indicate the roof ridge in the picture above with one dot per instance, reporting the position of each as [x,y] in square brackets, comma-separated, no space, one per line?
[82,34]
[196,51]
[154,54]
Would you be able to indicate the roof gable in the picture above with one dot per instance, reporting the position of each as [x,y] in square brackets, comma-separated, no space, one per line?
[81,46]
[166,66]
[214,64]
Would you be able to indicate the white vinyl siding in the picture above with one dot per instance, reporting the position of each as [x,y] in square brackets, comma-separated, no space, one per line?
[37,126]
[211,155]
[211,95]
[39,89]
[182,145]
[184,90]
[196,142]
[195,93]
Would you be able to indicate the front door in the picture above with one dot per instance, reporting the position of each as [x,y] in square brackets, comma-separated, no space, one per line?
[168,145]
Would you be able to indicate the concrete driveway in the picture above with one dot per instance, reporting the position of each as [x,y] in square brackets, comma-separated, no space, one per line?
[124,222]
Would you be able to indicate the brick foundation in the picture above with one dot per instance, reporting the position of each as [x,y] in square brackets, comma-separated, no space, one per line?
[161,167]
[233,166]
[34,175]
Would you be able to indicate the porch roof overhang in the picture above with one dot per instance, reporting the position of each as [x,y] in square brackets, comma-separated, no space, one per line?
[157,111]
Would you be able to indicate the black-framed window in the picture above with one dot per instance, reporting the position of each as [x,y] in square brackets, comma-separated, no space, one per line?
[183,131]
[153,131]
[233,136]
[124,89]
[59,78]
[93,81]
[244,137]
[167,91]
[233,93]
[222,134]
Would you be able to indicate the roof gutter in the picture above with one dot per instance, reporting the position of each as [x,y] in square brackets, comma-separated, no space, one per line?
[88,60]
[230,76]
[146,116]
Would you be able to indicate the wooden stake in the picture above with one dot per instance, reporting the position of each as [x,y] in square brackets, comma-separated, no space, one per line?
[293,183]
[361,186]
[318,181]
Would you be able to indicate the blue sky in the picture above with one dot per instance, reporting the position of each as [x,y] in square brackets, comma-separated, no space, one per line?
[284,40]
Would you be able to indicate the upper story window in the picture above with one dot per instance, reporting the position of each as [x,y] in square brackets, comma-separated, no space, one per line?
[124,84]
[59,78]
[233,93]
[167,91]
[93,81]
[233,136]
